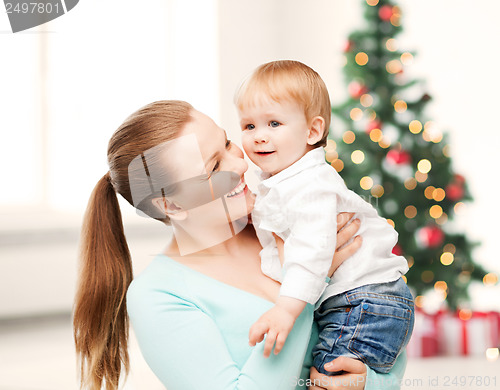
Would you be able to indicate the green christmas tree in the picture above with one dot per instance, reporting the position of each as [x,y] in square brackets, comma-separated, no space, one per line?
[390,154]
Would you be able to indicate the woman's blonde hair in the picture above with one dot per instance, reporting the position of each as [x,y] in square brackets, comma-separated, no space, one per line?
[100,320]
[288,80]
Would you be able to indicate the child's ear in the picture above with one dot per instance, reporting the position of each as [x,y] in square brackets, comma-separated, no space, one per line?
[316,130]
[169,208]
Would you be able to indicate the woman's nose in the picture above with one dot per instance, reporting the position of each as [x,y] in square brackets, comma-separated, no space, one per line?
[236,162]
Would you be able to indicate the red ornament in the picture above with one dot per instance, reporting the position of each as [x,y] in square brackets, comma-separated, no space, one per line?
[454,191]
[385,13]
[397,250]
[348,46]
[459,179]
[430,236]
[356,89]
[398,157]
[376,124]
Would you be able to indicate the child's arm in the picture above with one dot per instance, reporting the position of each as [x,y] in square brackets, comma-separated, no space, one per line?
[277,323]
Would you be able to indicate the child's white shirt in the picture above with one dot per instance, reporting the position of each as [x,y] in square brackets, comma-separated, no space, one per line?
[300,204]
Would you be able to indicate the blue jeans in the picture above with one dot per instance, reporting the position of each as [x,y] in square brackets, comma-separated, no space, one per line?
[371,323]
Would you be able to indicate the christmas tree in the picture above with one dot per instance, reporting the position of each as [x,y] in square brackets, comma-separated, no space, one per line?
[390,154]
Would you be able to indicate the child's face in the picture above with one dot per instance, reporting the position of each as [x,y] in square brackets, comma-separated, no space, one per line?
[274,134]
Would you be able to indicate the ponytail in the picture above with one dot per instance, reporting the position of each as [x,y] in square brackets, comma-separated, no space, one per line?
[100,322]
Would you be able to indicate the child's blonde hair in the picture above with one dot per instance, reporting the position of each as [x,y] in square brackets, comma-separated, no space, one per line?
[287,79]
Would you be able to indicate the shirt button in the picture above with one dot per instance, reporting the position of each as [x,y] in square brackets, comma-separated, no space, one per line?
[365,306]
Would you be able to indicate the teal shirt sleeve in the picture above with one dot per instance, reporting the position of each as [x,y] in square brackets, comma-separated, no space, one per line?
[185,348]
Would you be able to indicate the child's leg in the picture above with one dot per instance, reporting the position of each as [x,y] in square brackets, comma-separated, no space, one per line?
[373,325]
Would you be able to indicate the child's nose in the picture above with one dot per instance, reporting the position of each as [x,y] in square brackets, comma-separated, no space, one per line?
[260,137]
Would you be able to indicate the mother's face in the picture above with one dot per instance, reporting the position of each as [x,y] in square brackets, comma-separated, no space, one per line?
[202,148]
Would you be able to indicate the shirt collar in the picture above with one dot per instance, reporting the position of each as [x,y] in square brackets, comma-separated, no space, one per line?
[308,160]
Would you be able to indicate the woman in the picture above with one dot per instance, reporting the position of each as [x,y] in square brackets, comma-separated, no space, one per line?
[192,307]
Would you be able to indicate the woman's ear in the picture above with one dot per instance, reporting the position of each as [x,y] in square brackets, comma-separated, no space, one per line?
[170,209]
[316,130]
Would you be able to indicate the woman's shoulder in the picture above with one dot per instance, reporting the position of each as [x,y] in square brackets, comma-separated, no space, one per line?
[161,280]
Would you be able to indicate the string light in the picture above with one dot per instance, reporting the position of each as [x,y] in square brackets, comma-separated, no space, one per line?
[372,2]
[396,14]
[404,278]
[459,208]
[394,66]
[410,212]
[357,157]
[384,143]
[330,145]
[429,191]
[424,166]
[442,219]
[420,177]
[450,248]
[356,114]
[415,126]
[407,58]
[331,155]
[371,114]
[439,194]
[440,285]
[391,44]
[447,258]
[366,100]
[490,279]
[338,164]
[376,135]
[377,191]
[391,222]
[436,211]
[400,106]
[410,183]
[419,301]
[361,58]
[366,183]
[446,151]
[349,137]
[411,261]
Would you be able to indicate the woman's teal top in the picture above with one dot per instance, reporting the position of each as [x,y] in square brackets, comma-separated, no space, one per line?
[193,333]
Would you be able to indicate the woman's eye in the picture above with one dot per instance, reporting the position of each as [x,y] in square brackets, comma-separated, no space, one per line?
[274,124]
[249,127]
[228,144]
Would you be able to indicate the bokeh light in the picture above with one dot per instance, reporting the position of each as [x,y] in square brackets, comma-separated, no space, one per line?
[361,58]
[377,191]
[357,157]
[436,211]
[391,44]
[492,354]
[450,248]
[427,276]
[465,314]
[420,177]
[376,135]
[338,164]
[429,191]
[356,114]
[490,279]
[410,183]
[424,166]
[349,137]
[440,285]
[366,100]
[410,212]
[366,183]
[372,2]
[400,106]
[415,126]
[439,194]
[407,58]
[394,66]
[447,258]
[391,222]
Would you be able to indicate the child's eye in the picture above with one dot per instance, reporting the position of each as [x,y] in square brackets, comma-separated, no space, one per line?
[274,124]
[249,127]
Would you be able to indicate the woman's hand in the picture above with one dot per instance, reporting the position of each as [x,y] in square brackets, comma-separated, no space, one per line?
[354,377]
[346,229]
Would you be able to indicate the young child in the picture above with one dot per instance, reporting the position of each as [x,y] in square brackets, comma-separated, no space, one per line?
[366,310]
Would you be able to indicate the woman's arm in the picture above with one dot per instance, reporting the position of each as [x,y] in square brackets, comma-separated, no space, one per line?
[185,348]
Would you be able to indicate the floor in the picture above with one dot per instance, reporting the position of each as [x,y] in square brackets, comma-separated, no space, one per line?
[39,356]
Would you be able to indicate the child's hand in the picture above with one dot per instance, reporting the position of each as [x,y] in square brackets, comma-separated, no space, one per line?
[277,323]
